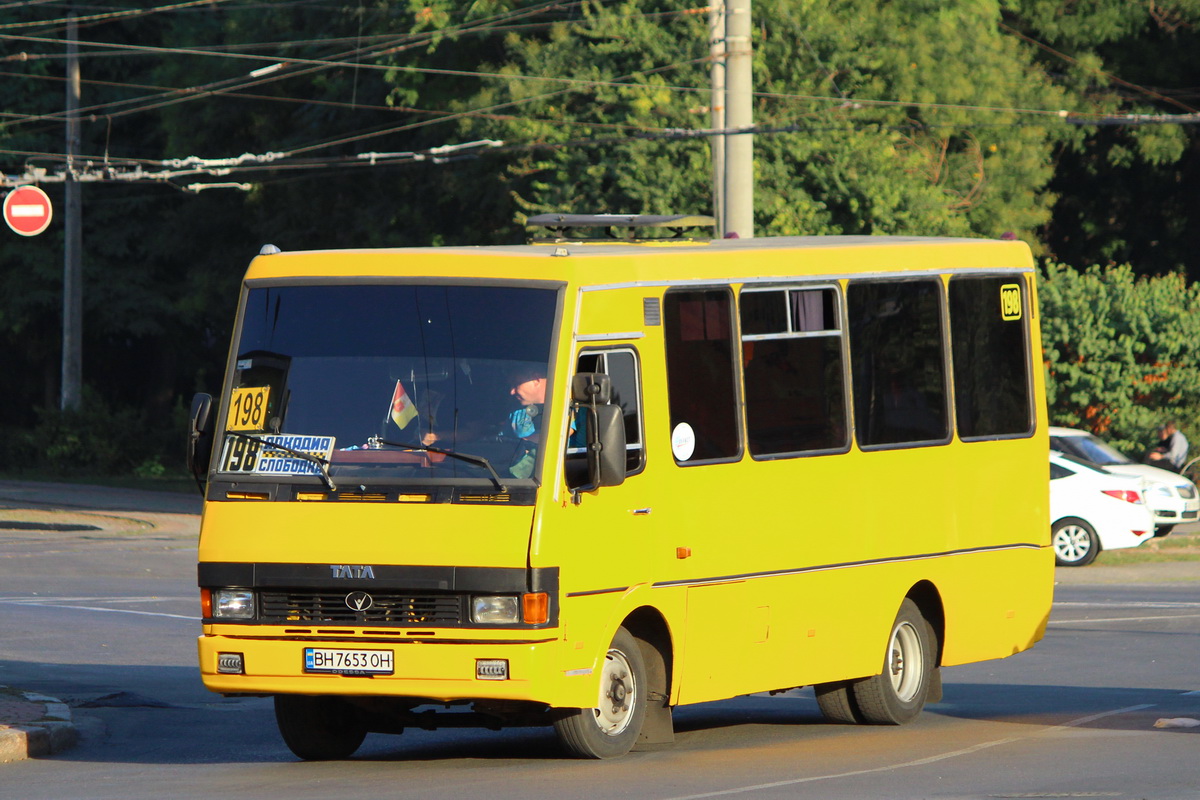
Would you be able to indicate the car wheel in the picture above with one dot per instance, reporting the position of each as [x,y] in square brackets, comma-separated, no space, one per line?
[1075,542]
[1162,530]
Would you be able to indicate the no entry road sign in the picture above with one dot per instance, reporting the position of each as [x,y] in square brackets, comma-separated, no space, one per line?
[27,210]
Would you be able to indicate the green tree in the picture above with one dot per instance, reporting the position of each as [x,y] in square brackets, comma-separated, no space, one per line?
[1126,191]
[842,164]
[1120,351]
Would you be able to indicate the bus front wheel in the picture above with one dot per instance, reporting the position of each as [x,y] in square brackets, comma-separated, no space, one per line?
[898,694]
[318,728]
[612,727]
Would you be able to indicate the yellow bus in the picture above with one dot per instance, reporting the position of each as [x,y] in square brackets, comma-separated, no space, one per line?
[583,481]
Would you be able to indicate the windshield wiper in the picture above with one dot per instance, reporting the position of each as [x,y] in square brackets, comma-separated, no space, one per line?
[322,464]
[470,459]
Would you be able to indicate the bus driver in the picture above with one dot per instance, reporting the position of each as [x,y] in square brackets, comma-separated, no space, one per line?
[529,387]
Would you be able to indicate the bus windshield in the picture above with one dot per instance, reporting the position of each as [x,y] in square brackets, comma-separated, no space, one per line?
[364,376]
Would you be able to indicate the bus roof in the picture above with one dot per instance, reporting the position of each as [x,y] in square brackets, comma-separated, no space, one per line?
[719,259]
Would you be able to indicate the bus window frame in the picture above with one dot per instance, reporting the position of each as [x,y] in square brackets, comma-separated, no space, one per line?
[735,339]
[841,332]
[943,316]
[604,351]
[218,482]
[1026,352]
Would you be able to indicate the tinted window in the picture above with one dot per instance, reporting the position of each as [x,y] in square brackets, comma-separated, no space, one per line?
[988,319]
[792,363]
[701,384]
[896,353]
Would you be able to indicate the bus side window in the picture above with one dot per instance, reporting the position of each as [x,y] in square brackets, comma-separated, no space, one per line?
[989,334]
[621,365]
[792,355]
[898,364]
[702,384]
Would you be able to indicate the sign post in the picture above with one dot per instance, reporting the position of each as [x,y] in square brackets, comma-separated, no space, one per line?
[27,210]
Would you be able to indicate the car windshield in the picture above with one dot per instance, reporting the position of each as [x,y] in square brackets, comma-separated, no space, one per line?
[364,377]
[1089,448]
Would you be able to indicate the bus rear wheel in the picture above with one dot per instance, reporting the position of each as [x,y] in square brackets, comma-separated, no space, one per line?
[318,728]
[611,728]
[898,694]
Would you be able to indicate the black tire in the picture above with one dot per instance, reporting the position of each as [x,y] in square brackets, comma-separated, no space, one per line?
[1162,530]
[318,728]
[1075,542]
[836,703]
[898,693]
[612,728]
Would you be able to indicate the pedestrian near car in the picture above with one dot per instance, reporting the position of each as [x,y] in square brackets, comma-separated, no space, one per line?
[1172,450]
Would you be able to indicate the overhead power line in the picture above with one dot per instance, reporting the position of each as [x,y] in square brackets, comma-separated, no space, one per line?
[111,15]
[171,170]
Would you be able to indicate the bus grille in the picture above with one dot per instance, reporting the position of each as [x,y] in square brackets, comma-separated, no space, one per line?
[387,608]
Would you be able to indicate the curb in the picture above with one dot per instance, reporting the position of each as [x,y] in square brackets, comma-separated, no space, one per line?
[33,725]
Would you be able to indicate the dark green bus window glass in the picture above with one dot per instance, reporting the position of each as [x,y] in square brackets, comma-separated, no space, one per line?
[990,346]
[897,363]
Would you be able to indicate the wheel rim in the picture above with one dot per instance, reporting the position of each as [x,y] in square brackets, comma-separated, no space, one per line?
[906,662]
[1072,542]
[618,688]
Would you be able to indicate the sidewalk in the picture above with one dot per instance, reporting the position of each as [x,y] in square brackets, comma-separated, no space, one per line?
[33,725]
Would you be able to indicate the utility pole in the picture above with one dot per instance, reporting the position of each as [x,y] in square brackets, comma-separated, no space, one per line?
[72,337]
[716,44]
[739,113]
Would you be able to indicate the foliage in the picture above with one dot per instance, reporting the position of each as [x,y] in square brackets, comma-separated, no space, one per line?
[904,117]
[1126,192]
[836,163]
[1120,352]
[97,439]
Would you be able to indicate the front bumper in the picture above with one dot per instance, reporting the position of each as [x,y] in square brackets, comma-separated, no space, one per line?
[435,671]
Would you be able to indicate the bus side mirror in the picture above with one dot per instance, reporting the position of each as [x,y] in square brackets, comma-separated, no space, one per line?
[199,444]
[604,428]
[606,453]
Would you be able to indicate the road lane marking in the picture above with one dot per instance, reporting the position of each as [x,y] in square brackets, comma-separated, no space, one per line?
[1118,604]
[1085,620]
[44,604]
[39,599]
[920,762]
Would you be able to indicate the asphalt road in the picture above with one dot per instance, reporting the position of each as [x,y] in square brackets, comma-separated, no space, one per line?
[104,616]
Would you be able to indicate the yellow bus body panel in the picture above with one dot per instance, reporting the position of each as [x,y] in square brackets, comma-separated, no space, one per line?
[765,574]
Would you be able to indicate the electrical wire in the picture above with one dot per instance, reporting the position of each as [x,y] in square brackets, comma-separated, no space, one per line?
[218,87]
[133,12]
[1106,75]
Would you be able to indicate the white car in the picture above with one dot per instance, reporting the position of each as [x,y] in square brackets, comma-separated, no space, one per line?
[1092,509]
[1173,498]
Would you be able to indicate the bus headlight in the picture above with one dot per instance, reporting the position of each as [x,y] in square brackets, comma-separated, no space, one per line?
[233,604]
[496,609]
